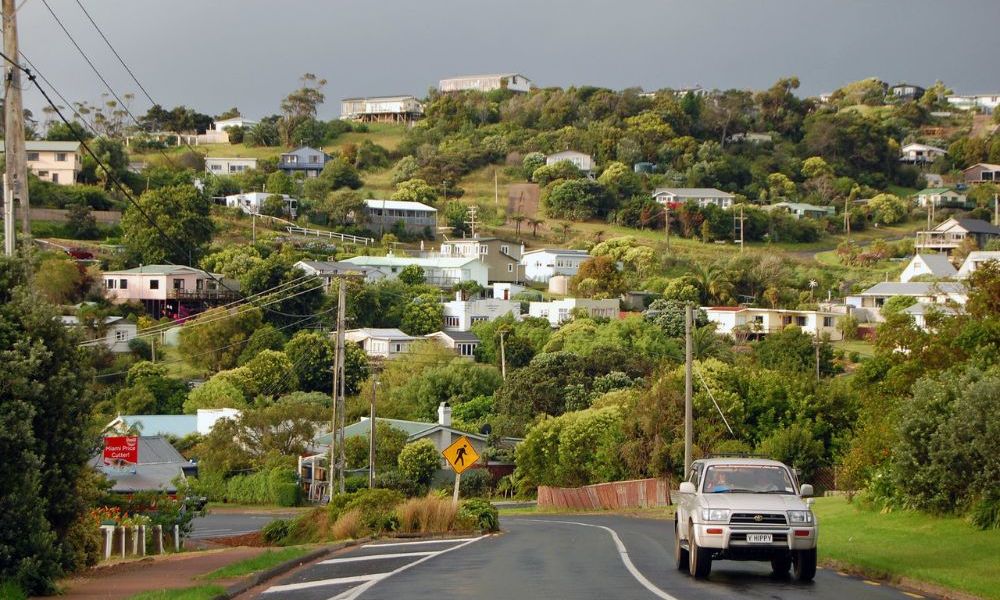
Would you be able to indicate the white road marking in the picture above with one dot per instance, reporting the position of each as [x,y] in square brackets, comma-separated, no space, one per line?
[421,542]
[623,554]
[334,561]
[290,587]
[221,533]
[353,593]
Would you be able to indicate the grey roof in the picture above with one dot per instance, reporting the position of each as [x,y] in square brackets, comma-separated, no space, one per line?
[46,146]
[381,333]
[914,288]
[328,267]
[458,336]
[151,425]
[563,251]
[978,226]
[922,308]
[938,264]
[159,464]
[305,151]
[693,192]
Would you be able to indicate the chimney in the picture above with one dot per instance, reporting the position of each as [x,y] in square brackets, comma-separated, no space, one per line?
[444,414]
[458,296]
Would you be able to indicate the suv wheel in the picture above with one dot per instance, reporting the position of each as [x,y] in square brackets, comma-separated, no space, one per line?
[680,553]
[781,566]
[805,565]
[700,559]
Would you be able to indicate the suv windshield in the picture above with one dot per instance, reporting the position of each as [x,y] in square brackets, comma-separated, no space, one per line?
[749,479]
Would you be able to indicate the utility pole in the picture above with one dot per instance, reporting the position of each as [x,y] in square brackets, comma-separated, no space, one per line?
[688,387]
[496,188]
[666,223]
[334,431]
[152,348]
[817,359]
[17,167]
[847,216]
[741,228]
[371,438]
[503,356]
[472,219]
[8,219]
[341,302]
[996,209]
[253,217]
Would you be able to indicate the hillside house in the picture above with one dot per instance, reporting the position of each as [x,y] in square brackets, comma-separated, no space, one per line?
[703,197]
[57,162]
[752,138]
[252,202]
[502,257]
[801,210]
[416,217]
[117,333]
[464,343]
[941,197]
[309,161]
[950,234]
[545,263]
[558,312]
[440,271]
[919,154]
[382,109]
[920,311]
[974,260]
[218,134]
[169,290]
[934,265]
[514,82]
[982,173]
[229,166]
[461,315]
[580,160]
[159,466]
[985,103]
[906,92]
[329,271]
[868,304]
[743,320]
[381,343]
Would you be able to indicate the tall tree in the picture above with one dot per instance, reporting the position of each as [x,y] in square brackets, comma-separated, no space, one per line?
[300,105]
[182,228]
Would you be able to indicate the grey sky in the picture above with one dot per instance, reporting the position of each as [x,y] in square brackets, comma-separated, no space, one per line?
[214,54]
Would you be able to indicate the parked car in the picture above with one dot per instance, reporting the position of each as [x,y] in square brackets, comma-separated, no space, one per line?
[745,509]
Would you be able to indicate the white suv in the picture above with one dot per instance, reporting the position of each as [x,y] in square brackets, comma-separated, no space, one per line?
[744,509]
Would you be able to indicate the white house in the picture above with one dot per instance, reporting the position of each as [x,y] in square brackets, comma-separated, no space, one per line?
[921,310]
[730,320]
[461,315]
[381,109]
[116,338]
[584,162]
[464,343]
[439,271]
[229,166]
[382,215]
[974,259]
[801,209]
[252,202]
[869,302]
[986,103]
[940,197]
[702,196]
[382,343]
[486,83]
[237,121]
[506,291]
[217,133]
[560,311]
[935,265]
[58,162]
[543,264]
[921,153]
[329,271]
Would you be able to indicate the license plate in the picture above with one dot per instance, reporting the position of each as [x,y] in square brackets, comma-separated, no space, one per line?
[759,538]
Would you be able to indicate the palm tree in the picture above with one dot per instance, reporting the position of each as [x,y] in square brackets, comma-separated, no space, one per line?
[518,219]
[534,226]
[564,230]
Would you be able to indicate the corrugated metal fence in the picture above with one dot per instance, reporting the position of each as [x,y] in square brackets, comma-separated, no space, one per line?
[638,493]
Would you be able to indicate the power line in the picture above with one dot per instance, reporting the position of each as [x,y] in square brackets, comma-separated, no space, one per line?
[118,56]
[61,97]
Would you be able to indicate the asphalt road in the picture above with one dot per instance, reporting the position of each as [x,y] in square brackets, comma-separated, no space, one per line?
[552,557]
[226,524]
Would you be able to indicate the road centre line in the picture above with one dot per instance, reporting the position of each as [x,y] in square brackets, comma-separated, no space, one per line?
[334,561]
[623,554]
[290,587]
[353,593]
[417,543]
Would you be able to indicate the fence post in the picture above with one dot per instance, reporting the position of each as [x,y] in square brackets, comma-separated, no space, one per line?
[142,540]
[177,538]
[158,539]
[109,532]
[135,540]
[123,541]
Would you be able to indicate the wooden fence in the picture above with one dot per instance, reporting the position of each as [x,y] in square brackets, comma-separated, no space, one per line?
[637,493]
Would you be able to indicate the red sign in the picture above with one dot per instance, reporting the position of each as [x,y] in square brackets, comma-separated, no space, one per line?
[121,449]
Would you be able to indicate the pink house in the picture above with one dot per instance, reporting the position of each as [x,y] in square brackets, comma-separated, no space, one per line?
[169,290]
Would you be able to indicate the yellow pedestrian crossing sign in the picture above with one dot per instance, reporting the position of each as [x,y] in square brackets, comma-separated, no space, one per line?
[461,455]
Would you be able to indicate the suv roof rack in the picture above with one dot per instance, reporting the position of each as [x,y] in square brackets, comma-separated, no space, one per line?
[735,455]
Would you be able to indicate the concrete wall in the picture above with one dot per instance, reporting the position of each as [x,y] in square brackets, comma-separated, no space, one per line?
[58,215]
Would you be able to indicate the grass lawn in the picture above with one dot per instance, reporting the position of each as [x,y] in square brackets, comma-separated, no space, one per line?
[202,592]
[945,551]
[861,347]
[261,562]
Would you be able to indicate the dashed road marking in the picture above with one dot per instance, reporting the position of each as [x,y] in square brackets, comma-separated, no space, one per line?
[334,561]
[290,587]
[420,542]
[870,582]
[623,555]
[912,595]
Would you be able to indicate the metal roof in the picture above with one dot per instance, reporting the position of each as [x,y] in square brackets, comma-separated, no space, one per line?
[398,205]
[156,425]
[914,288]
[693,192]
[456,336]
[440,262]
[922,308]
[157,270]
[45,146]
[938,264]
[563,251]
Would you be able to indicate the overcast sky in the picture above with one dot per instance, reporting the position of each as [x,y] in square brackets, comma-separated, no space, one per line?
[214,54]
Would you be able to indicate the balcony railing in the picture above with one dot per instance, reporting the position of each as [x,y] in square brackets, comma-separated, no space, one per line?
[223,295]
[931,239]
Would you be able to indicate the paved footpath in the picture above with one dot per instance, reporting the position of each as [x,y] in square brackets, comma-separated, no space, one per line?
[123,580]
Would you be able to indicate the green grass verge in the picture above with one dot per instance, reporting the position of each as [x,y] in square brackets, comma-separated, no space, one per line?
[945,551]
[202,592]
[261,562]
[11,591]
[861,347]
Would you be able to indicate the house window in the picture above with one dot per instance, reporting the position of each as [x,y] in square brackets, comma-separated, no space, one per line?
[32,156]
[216,167]
[178,284]
[397,347]
[291,159]
[123,284]
[313,158]
[475,320]
[110,283]
[55,178]
[61,157]
[121,336]
[451,321]
[800,321]
[827,321]
[505,249]
[154,284]
[510,268]
[759,319]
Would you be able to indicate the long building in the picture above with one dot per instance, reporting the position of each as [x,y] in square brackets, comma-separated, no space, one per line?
[382,109]
[514,82]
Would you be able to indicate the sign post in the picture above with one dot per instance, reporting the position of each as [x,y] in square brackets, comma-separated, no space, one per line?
[460,455]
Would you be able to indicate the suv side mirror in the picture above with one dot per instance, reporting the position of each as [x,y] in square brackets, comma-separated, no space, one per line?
[806,490]
[687,487]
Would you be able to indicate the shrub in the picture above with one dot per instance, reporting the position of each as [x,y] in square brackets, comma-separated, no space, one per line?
[394,480]
[475,483]
[276,530]
[287,494]
[376,508]
[348,526]
[356,482]
[419,460]
[477,513]
[10,590]
[430,514]
[985,513]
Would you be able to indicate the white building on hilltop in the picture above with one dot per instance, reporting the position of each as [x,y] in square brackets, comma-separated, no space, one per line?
[558,312]
[701,196]
[736,320]
[545,263]
[514,82]
[461,315]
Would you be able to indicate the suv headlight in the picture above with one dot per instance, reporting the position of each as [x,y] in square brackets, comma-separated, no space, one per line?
[720,515]
[800,516]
